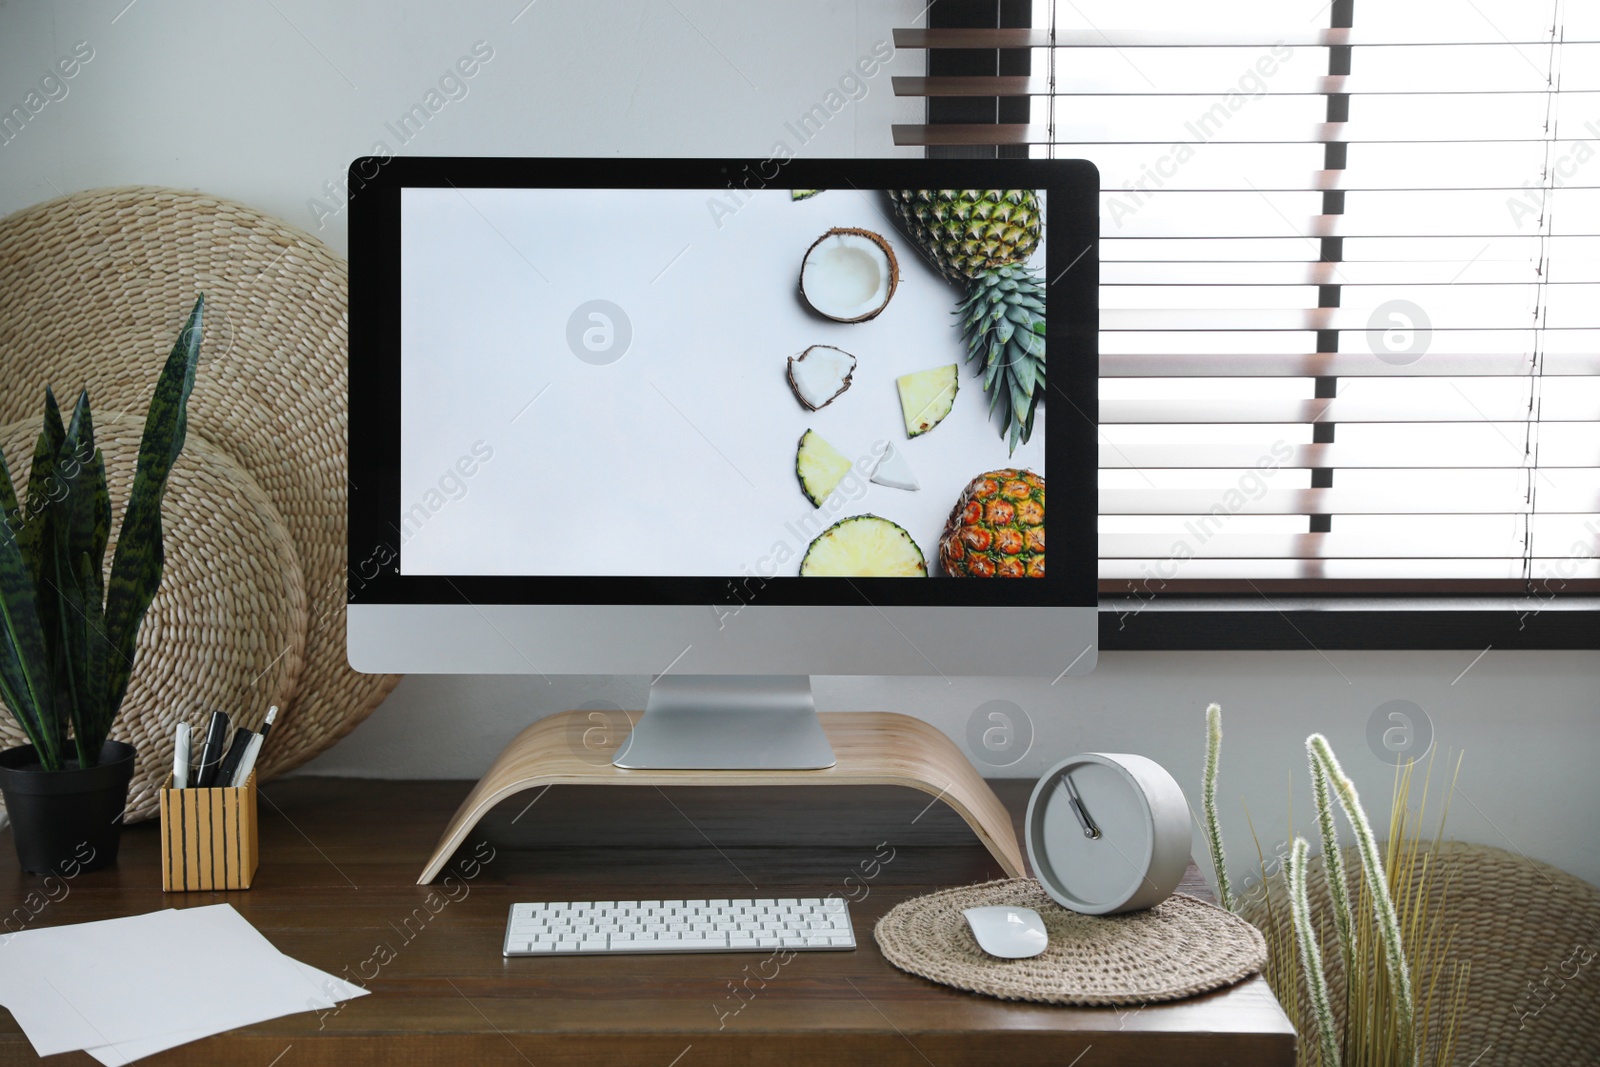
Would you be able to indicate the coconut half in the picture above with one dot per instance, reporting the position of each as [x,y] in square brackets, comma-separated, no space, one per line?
[820,374]
[849,275]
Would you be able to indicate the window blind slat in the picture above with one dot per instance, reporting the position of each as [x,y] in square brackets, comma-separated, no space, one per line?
[1343,364]
[1253,36]
[1244,341]
[1238,501]
[1256,212]
[1117,273]
[1149,577]
[1311,318]
[1468,306]
[1344,409]
[1243,457]
[910,135]
[1468,252]
[1317,85]
[1226,545]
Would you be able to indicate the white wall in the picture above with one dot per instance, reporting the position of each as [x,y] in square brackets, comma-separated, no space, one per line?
[265,102]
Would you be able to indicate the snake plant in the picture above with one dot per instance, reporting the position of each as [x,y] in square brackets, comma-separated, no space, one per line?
[67,635]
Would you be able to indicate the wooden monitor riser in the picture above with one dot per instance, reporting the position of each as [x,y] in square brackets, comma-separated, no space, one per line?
[872,748]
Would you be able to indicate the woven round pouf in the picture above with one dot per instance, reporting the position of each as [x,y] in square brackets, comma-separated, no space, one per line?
[1178,948]
[1528,932]
[227,627]
[94,288]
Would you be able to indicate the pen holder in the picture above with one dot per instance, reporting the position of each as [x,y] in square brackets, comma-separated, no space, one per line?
[208,837]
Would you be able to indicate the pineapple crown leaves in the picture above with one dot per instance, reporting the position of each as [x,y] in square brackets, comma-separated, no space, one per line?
[1003,319]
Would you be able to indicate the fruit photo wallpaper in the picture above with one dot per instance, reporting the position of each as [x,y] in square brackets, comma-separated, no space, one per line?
[814,383]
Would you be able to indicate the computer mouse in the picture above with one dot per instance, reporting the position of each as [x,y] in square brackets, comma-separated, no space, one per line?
[1007,932]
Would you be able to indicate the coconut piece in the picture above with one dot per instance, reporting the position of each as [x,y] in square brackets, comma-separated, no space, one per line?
[819,374]
[893,470]
[849,275]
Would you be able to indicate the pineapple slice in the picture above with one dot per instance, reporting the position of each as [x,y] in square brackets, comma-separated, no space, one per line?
[819,466]
[863,546]
[926,397]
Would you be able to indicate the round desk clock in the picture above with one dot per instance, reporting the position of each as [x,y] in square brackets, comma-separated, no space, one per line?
[1108,832]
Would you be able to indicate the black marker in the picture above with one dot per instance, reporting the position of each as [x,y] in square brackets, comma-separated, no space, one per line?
[211,753]
[230,762]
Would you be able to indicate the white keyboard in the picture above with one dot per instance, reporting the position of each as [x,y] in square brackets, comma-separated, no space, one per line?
[572,928]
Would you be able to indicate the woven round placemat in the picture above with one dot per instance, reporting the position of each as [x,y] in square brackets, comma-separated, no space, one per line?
[95,286]
[1181,947]
[1528,932]
[227,626]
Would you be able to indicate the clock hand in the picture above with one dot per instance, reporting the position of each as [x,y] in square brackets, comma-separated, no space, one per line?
[1090,830]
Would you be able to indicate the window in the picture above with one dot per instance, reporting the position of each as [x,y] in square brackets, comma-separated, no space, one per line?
[1350,287]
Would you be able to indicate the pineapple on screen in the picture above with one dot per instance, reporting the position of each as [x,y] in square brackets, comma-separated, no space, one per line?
[819,466]
[926,397]
[863,546]
[996,529]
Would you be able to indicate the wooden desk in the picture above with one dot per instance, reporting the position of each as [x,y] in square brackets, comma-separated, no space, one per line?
[336,889]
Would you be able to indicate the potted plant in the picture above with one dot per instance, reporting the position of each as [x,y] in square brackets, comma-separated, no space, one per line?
[1382,986]
[67,633]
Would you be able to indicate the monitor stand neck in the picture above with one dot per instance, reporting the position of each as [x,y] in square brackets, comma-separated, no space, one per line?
[728,723]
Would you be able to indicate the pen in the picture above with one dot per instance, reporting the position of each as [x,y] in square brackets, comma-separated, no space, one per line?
[230,763]
[211,753]
[248,763]
[180,757]
[252,751]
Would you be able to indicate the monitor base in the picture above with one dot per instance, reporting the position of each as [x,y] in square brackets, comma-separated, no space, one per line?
[728,723]
[873,748]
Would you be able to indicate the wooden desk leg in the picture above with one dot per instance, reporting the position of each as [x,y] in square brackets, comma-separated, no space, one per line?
[872,748]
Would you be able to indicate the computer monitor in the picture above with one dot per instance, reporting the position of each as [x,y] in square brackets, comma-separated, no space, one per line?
[726,423]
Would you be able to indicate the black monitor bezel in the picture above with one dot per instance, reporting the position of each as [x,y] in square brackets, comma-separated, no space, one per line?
[1072,258]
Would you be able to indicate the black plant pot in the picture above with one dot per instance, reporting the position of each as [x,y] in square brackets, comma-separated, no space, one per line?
[69,820]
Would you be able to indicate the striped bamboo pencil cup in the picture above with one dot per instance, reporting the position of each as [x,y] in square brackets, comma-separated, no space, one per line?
[208,837]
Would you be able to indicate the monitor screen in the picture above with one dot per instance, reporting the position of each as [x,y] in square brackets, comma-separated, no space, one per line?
[693,382]
[721,384]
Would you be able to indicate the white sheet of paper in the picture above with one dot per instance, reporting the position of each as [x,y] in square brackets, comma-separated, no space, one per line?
[193,971]
[129,1051]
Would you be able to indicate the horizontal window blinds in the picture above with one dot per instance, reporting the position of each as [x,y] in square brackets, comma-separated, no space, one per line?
[1350,283]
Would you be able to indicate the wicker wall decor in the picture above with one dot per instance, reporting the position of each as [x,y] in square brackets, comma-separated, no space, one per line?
[93,288]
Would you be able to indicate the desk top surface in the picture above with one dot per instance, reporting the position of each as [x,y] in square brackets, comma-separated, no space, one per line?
[335,889]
